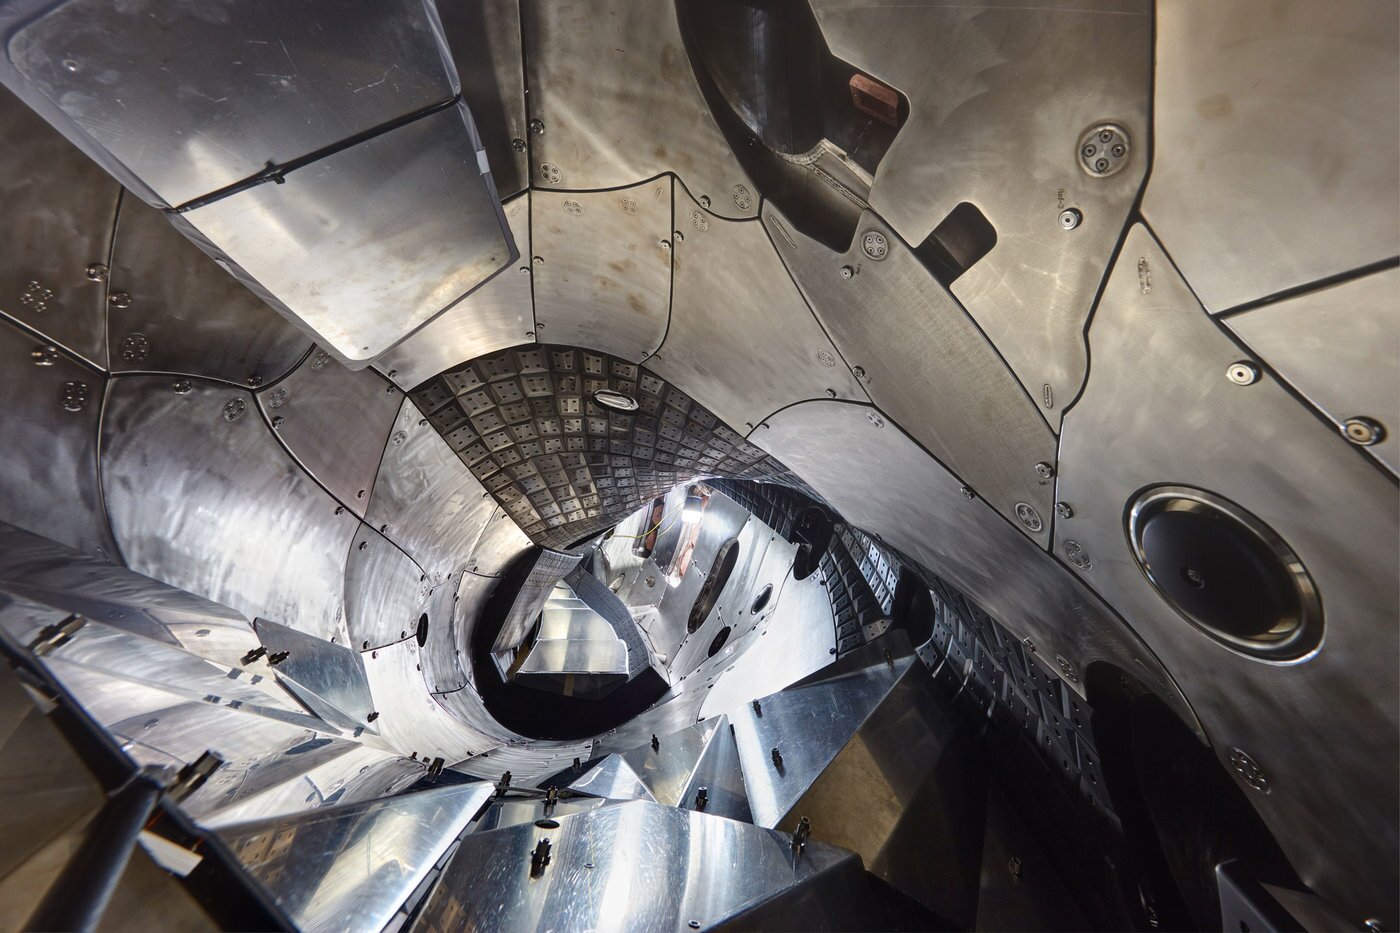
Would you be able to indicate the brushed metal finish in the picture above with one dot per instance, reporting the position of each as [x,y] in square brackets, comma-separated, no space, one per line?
[501,542]
[605,279]
[898,493]
[59,208]
[497,315]
[1186,423]
[721,775]
[648,873]
[362,247]
[548,568]
[929,367]
[196,319]
[611,82]
[335,422]
[334,673]
[412,720]
[528,760]
[999,97]
[730,298]
[469,601]
[257,85]
[587,660]
[350,867]
[48,476]
[385,591]
[1340,347]
[613,778]
[1247,204]
[443,667]
[252,532]
[483,37]
[506,811]
[666,770]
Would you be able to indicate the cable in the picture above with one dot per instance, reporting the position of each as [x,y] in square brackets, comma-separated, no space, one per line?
[655,527]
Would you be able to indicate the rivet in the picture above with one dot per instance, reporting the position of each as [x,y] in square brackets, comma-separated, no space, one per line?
[363,545]
[538,260]
[830,393]
[182,387]
[1242,373]
[1363,431]
[278,421]
[665,244]
[537,127]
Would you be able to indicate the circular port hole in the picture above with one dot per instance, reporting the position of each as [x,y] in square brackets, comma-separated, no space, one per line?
[721,637]
[613,400]
[760,602]
[422,633]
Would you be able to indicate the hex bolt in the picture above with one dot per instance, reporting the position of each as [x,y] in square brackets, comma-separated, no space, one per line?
[1242,373]
[1363,432]
[1070,218]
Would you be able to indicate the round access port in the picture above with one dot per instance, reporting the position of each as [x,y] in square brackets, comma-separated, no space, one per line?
[1226,572]
[760,602]
[721,637]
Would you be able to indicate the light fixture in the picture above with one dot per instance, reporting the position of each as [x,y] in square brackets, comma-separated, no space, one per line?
[694,506]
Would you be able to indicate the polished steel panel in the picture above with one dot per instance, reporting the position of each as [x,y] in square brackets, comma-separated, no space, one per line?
[1340,347]
[731,300]
[335,422]
[613,778]
[350,867]
[425,499]
[385,592]
[501,542]
[928,366]
[604,281]
[252,530]
[667,767]
[334,673]
[444,664]
[175,310]
[510,811]
[497,315]
[901,495]
[721,775]
[529,761]
[612,86]
[473,593]
[255,84]
[484,40]
[48,477]
[1160,408]
[59,208]
[412,720]
[731,603]
[575,656]
[636,866]
[362,247]
[1248,204]
[999,99]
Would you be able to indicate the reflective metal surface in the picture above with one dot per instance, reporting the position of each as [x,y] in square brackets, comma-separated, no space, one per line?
[253,531]
[1332,505]
[1250,205]
[357,247]
[497,315]
[350,867]
[637,866]
[1340,347]
[999,98]
[928,365]
[170,289]
[412,720]
[334,674]
[732,296]
[615,93]
[484,41]
[48,479]
[385,591]
[547,569]
[605,279]
[613,778]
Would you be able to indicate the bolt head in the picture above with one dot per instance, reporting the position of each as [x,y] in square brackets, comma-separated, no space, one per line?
[119,300]
[1070,218]
[1242,373]
[1063,510]
[517,144]
[1044,470]
[537,127]
[967,492]
[96,272]
[847,272]
[1363,432]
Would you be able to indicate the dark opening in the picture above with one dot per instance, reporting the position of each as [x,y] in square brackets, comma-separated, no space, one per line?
[760,602]
[721,637]
[422,630]
[957,243]
[718,576]
[812,535]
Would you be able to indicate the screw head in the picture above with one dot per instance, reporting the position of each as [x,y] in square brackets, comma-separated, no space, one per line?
[1044,470]
[518,144]
[538,260]
[119,300]
[1242,373]
[537,127]
[96,272]
[1364,432]
[1070,218]
[830,393]
[847,272]
[278,421]
[967,492]
[1063,510]
[704,200]
[46,355]
[182,387]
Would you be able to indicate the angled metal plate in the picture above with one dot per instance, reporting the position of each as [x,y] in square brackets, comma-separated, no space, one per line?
[1250,205]
[497,315]
[667,768]
[605,278]
[172,309]
[999,102]
[425,499]
[897,492]
[721,775]
[350,867]
[656,858]
[335,422]
[528,760]
[508,811]
[385,592]
[444,669]
[363,246]
[49,476]
[548,569]
[1340,347]
[334,673]
[254,532]
[732,296]
[928,365]
[65,207]
[613,778]
[605,125]
[1160,409]
[473,592]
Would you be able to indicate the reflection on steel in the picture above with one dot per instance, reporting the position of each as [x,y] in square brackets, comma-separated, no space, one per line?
[613,778]
[1299,476]
[384,592]
[641,865]
[350,867]
[332,675]
[510,811]
[548,568]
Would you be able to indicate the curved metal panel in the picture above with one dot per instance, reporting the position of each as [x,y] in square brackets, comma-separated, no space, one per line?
[48,477]
[425,499]
[928,365]
[732,301]
[1250,204]
[484,39]
[1340,347]
[336,422]
[1000,97]
[59,208]
[441,657]
[174,310]
[385,591]
[253,531]
[613,89]
[894,490]
[499,314]
[604,281]
[1330,780]
[412,720]
[501,542]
